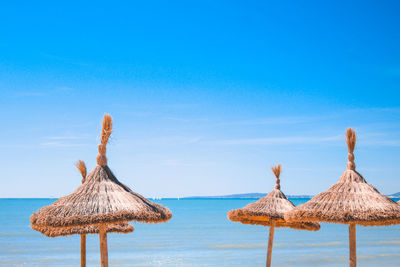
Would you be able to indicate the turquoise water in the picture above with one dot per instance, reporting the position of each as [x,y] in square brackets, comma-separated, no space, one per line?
[199,234]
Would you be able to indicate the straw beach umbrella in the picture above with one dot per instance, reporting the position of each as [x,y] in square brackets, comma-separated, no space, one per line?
[101,200]
[269,211]
[50,231]
[350,201]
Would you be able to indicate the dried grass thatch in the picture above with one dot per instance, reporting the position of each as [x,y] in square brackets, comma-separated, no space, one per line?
[123,228]
[270,208]
[350,201]
[294,225]
[100,199]
[82,230]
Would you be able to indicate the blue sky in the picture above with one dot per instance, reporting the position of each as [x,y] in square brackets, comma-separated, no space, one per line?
[205,96]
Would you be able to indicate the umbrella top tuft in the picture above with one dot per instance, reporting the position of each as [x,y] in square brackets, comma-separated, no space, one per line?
[351,144]
[82,168]
[277,171]
[105,135]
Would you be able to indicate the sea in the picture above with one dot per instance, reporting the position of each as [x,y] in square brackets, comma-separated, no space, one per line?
[199,234]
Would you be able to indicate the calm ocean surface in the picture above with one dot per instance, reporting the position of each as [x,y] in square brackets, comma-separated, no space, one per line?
[199,234]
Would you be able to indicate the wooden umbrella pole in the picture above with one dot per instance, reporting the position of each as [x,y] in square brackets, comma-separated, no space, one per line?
[83,250]
[103,245]
[270,243]
[352,245]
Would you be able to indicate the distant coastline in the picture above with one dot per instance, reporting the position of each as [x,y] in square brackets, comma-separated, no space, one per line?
[232,196]
[260,195]
[249,195]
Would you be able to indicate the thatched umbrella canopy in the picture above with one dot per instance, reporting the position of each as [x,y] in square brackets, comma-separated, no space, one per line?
[51,231]
[351,201]
[101,200]
[269,211]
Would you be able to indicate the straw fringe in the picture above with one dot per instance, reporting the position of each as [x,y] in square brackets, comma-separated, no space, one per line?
[351,200]
[123,228]
[82,168]
[278,223]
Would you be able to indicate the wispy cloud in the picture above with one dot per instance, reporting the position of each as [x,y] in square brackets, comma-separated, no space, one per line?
[23,146]
[181,106]
[365,139]
[42,93]
[279,140]
[181,163]
[186,119]
[65,140]
[282,120]
[29,94]
[68,137]
[273,120]
[60,144]
[393,142]
[167,140]
[64,88]
[375,109]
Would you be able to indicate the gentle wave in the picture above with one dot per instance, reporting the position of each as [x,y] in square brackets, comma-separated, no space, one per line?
[198,235]
[324,244]
[395,242]
[262,245]
[239,246]
[18,234]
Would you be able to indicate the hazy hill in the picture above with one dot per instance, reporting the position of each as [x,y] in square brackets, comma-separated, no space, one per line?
[260,195]
[247,195]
